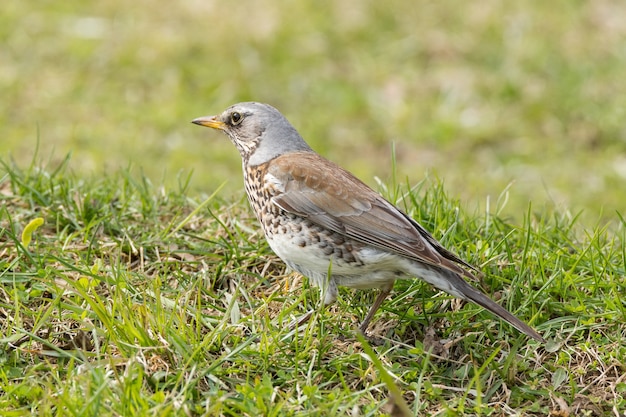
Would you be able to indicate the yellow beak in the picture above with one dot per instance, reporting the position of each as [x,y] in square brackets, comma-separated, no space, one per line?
[210,121]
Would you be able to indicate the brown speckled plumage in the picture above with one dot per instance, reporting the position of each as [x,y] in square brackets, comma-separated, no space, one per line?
[318,217]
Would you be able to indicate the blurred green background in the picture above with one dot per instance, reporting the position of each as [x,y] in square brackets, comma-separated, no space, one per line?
[483,95]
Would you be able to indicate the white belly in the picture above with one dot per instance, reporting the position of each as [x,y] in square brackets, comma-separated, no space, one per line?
[369,267]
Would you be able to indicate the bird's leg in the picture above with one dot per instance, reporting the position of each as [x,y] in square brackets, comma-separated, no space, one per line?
[305,318]
[329,295]
[384,292]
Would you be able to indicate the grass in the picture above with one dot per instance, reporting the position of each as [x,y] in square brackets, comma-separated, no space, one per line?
[138,299]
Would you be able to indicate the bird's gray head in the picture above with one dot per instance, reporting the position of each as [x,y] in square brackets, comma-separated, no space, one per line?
[258,130]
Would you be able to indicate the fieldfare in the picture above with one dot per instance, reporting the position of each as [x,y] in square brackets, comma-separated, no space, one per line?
[319,218]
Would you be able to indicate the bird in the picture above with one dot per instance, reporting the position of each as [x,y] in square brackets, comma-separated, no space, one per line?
[331,227]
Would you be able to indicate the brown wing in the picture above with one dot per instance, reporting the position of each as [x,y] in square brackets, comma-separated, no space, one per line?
[330,196]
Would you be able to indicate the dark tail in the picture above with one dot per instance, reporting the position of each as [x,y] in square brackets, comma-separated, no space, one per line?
[472,294]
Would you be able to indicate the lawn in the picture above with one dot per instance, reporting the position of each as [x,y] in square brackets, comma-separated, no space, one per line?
[149,290]
[133,299]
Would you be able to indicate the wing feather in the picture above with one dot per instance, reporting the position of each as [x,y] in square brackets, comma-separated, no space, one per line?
[333,198]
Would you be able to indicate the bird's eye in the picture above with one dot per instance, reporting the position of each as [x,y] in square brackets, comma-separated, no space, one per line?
[236,118]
